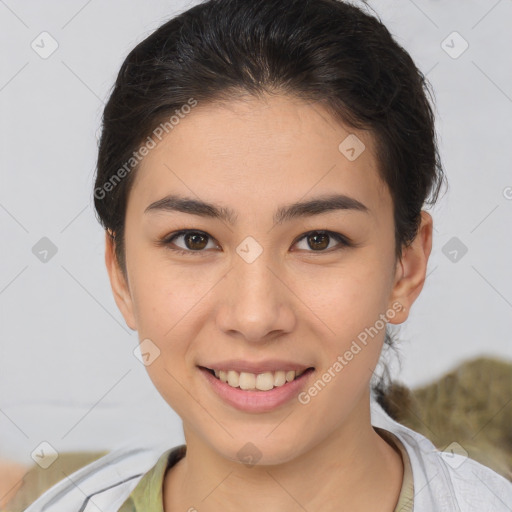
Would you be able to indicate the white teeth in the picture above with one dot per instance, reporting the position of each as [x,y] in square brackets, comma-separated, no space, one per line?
[246,381]
[265,381]
[262,381]
[233,378]
[279,378]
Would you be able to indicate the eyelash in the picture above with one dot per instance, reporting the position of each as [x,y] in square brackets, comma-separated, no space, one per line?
[344,241]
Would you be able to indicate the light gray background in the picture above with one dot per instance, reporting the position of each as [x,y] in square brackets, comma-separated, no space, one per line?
[68,375]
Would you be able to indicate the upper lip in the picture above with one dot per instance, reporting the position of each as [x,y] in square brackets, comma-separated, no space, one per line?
[269,365]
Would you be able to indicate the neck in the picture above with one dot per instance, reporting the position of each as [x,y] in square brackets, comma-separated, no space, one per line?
[342,472]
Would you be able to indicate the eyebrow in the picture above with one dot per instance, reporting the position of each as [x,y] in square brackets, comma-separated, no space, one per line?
[317,206]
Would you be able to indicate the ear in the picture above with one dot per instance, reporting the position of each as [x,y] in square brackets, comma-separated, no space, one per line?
[411,271]
[118,283]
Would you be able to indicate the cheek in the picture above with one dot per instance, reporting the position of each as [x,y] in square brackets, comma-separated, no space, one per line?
[167,309]
[164,294]
[351,306]
[351,299]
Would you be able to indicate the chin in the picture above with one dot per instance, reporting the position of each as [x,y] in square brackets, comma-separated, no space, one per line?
[259,450]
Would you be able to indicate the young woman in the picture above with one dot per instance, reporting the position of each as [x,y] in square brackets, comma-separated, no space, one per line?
[261,177]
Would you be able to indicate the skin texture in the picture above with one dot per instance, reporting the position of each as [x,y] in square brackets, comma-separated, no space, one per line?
[294,302]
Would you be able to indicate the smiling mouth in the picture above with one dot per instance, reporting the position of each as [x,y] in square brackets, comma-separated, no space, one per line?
[257,382]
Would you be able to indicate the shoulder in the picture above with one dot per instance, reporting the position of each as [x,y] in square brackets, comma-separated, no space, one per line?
[447,481]
[102,485]
[478,487]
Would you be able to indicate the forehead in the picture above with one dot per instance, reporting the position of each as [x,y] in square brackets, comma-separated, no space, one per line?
[252,149]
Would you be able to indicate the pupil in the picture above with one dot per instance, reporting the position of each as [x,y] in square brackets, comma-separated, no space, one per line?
[193,239]
[324,241]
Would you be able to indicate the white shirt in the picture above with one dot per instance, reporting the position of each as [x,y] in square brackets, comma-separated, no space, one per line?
[443,482]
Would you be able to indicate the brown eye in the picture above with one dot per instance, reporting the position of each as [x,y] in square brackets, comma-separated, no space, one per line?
[194,242]
[319,241]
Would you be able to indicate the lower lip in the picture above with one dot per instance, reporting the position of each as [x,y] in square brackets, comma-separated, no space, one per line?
[257,401]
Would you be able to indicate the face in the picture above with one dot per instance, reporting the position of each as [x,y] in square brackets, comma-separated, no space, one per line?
[256,283]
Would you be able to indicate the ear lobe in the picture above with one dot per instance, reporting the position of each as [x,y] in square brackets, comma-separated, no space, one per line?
[118,283]
[411,269]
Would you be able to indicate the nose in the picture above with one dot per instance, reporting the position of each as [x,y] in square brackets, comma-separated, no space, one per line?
[256,301]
